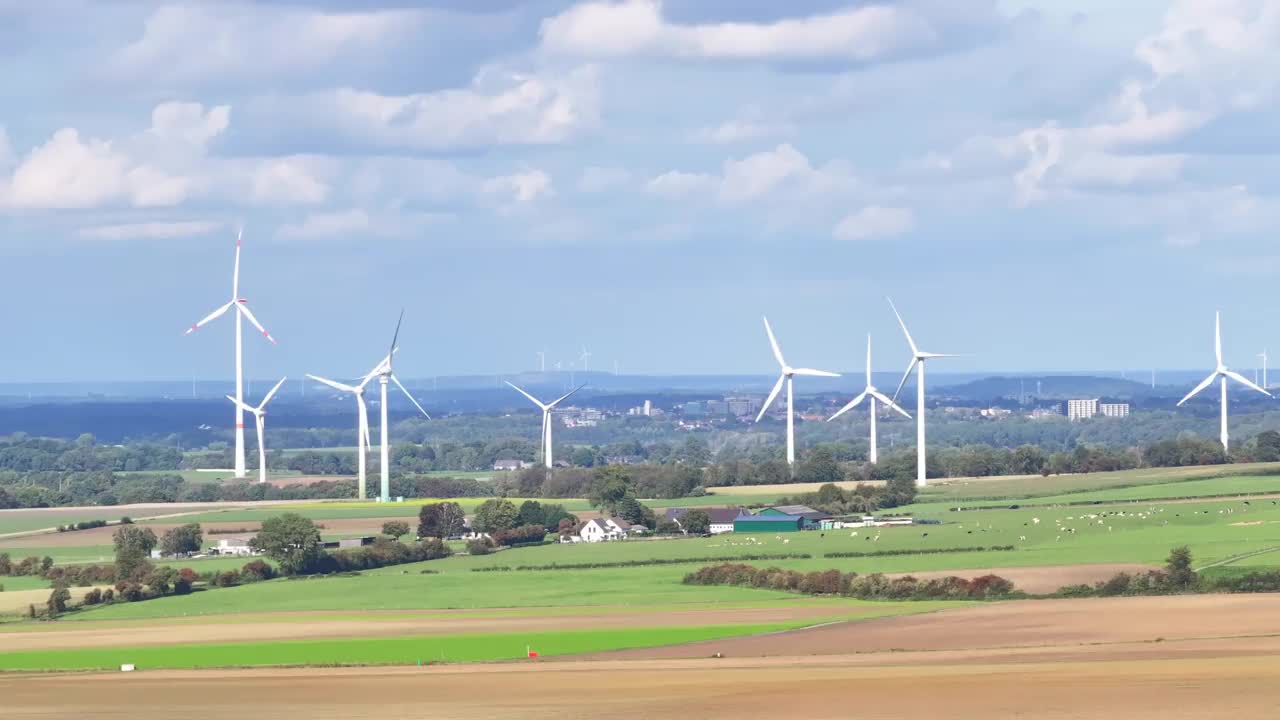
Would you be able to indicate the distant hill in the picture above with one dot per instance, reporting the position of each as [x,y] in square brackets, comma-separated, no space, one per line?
[1051,387]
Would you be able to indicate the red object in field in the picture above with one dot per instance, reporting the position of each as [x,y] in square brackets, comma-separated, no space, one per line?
[533,653]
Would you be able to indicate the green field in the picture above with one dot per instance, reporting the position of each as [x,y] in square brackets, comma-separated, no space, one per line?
[376,651]
[1039,487]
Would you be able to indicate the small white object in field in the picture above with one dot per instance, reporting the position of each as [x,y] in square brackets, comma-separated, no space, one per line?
[127,667]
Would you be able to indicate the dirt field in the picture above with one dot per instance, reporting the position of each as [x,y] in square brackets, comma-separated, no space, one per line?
[1043,579]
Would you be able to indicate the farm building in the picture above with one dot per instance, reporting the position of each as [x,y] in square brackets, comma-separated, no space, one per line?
[602,529]
[354,542]
[721,517]
[767,523]
[236,545]
[812,518]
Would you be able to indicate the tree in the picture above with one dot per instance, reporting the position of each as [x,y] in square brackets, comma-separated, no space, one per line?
[696,522]
[819,467]
[1178,566]
[293,541]
[609,487]
[395,529]
[634,512]
[58,599]
[133,547]
[531,513]
[440,520]
[495,515]
[184,539]
[1268,442]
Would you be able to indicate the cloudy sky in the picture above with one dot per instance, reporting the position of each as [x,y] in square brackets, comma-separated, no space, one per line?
[1047,185]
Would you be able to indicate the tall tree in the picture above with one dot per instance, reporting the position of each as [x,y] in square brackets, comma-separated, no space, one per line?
[696,522]
[440,520]
[182,539]
[395,528]
[495,515]
[133,547]
[610,486]
[293,541]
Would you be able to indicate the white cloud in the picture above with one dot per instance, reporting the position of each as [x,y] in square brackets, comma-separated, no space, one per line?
[874,222]
[6,150]
[676,184]
[183,43]
[288,181]
[149,230]
[596,179]
[519,188]
[500,108]
[782,169]
[736,131]
[858,34]
[326,225]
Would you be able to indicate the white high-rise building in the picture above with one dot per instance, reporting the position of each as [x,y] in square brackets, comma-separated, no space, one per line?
[1082,408]
[1114,409]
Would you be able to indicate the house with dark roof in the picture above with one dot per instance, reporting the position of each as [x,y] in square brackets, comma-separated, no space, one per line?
[721,517]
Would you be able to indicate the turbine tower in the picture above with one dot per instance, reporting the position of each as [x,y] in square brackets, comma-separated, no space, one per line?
[242,311]
[585,357]
[1221,373]
[384,374]
[546,419]
[260,419]
[870,392]
[918,358]
[362,421]
[787,375]
[1263,355]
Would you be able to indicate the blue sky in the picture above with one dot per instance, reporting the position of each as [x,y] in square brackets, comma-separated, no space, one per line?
[1045,185]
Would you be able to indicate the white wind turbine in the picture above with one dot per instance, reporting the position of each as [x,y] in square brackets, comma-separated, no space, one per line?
[384,374]
[260,418]
[787,375]
[242,310]
[1221,372]
[1263,355]
[870,392]
[546,419]
[918,358]
[585,357]
[362,421]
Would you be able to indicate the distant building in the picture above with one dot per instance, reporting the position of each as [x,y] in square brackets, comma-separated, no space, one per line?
[1081,409]
[647,408]
[717,407]
[1114,409]
[721,517]
[742,406]
[995,412]
[344,543]
[604,529]
[694,409]
[767,523]
[1045,412]
[236,545]
[510,465]
[808,516]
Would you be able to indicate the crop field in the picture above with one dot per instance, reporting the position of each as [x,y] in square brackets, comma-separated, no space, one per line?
[1035,486]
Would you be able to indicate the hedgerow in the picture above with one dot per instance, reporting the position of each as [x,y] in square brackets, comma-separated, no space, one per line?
[865,587]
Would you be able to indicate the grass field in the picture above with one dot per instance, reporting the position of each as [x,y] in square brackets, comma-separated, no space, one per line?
[1035,486]
[376,651]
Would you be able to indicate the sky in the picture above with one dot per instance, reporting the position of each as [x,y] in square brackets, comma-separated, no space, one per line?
[1042,185]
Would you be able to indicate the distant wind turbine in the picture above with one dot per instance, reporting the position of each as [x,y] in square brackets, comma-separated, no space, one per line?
[242,310]
[546,419]
[1263,355]
[362,422]
[385,374]
[918,358]
[260,418]
[787,375]
[542,360]
[870,392]
[1221,373]
[585,357]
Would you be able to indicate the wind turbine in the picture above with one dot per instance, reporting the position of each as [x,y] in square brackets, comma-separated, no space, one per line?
[870,392]
[585,357]
[242,310]
[1263,355]
[384,374]
[1221,372]
[542,360]
[787,375]
[546,418]
[918,358]
[260,417]
[362,421]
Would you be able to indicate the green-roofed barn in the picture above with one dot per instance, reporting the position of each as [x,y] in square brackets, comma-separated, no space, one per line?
[767,523]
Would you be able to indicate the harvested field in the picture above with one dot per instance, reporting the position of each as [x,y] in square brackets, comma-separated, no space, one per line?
[1015,624]
[1227,687]
[1041,580]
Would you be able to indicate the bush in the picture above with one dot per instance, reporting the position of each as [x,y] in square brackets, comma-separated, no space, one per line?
[93,597]
[479,546]
[226,578]
[256,571]
[523,535]
[868,587]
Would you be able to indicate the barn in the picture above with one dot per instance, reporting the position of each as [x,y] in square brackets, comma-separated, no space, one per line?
[767,523]
[810,518]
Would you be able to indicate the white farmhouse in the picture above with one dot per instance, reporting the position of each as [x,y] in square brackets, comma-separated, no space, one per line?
[236,545]
[602,529]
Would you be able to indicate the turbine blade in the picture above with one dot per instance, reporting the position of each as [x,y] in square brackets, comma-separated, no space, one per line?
[1207,382]
[910,366]
[1244,381]
[242,406]
[1217,336]
[532,399]
[777,388]
[848,406]
[813,373]
[912,343]
[868,359]
[363,409]
[272,394]
[565,396]
[235,274]
[412,399]
[210,317]
[331,383]
[248,314]
[383,365]
[892,405]
[395,338]
[773,342]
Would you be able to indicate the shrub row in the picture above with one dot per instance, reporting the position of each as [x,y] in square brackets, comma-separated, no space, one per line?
[86,525]
[31,565]
[252,572]
[382,553]
[81,575]
[866,587]
[229,531]
[523,535]
[923,551]
[640,563]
